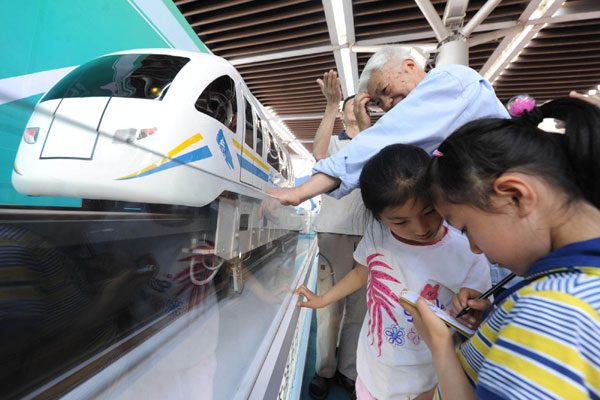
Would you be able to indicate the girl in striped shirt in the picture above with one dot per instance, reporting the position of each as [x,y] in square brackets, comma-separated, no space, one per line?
[529,200]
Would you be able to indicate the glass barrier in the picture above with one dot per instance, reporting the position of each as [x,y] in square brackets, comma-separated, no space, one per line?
[134,259]
[135,303]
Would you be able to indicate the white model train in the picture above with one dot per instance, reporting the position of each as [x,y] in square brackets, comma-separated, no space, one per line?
[151,126]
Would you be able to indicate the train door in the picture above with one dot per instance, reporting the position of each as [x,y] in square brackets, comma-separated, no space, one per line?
[247,164]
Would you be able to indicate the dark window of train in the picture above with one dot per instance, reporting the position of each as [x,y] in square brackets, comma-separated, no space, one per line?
[273,154]
[140,76]
[259,137]
[249,135]
[218,101]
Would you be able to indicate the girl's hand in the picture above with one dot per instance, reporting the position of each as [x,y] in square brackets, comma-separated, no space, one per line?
[312,300]
[428,395]
[430,327]
[468,297]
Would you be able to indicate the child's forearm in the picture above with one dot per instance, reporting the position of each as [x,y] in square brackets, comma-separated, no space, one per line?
[452,379]
[353,281]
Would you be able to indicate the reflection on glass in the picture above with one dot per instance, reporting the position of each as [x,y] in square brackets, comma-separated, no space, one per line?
[134,305]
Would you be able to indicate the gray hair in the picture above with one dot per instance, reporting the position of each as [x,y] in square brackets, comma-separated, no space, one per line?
[378,61]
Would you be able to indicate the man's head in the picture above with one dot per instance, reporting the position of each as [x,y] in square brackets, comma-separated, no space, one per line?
[391,74]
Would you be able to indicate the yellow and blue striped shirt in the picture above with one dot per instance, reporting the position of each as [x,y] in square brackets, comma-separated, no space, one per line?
[543,341]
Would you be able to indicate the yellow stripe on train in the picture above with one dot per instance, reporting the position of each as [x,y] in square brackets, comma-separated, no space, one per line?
[252,156]
[180,147]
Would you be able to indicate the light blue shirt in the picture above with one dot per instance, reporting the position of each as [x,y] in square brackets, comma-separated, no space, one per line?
[447,98]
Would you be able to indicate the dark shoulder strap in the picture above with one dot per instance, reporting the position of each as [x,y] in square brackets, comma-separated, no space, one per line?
[498,300]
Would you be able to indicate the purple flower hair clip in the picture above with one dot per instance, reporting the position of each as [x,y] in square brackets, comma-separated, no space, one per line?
[437,153]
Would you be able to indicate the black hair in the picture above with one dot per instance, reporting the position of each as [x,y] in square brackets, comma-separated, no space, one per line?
[346,100]
[392,176]
[482,150]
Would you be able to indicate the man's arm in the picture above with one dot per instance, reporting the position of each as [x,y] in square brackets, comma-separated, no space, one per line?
[316,184]
[440,104]
[330,86]
[590,99]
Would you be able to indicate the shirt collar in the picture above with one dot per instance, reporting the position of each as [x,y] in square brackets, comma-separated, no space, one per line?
[344,136]
[585,254]
[579,254]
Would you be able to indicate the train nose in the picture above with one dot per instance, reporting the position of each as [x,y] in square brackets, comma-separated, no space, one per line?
[73,132]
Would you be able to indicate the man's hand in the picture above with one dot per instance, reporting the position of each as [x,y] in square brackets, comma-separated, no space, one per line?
[269,208]
[312,300]
[469,297]
[287,196]
[361,112]
[317,184]
[590,99]
[330,86]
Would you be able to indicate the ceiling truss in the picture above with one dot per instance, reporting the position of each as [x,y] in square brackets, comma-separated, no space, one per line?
[281,46]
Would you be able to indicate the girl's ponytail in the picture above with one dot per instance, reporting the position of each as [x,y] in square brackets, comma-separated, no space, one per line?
[482,150]
[581,142]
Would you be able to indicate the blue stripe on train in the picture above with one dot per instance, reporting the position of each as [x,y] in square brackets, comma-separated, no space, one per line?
[192,156]
[253,169]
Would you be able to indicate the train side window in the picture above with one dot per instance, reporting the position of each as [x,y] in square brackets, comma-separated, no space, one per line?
[249,135]
[273,154]
[219,101]
[259,137]
[284,173]
[283,165]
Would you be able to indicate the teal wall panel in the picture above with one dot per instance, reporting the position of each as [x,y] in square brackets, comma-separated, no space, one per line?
[16,114]
[41,37]
[60,33]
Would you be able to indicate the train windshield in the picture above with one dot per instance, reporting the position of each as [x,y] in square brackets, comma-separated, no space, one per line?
[140,76]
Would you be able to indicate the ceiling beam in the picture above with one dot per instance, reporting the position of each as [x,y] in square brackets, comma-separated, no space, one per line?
[572,11]
[409,37]
[434,20]
[340,24]
[512,44]
[283,54]
[493,35]
[479,17]
[454,13]
[301,117]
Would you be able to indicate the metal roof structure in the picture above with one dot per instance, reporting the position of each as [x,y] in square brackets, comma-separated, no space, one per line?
[545,48]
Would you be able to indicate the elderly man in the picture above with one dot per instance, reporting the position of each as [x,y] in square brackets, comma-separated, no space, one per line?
[338,235]
[421,109]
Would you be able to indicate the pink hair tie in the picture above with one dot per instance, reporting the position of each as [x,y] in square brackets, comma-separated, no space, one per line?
[521,104]
[437,153]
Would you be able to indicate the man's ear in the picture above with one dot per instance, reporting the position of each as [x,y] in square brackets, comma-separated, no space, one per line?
[514,190]
[409,64]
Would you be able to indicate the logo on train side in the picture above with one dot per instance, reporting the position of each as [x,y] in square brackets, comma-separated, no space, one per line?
[224,148]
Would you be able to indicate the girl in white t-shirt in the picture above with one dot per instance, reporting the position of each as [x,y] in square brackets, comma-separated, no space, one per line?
[406,248]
